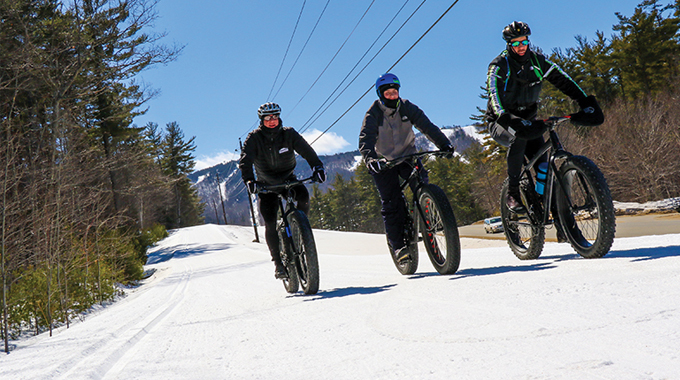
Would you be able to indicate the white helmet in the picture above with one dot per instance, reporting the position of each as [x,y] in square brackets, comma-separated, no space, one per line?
[268,108]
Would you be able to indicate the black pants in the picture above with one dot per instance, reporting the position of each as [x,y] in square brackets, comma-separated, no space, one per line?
[392,200]
[269,206]
[518,148]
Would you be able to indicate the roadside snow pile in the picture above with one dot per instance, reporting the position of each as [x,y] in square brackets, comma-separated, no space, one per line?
[666,205]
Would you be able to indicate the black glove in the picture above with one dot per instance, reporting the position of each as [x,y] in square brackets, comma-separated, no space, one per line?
[527,129]
[319,174]
[376,165]
[590,114]
[252,187]
[449,149]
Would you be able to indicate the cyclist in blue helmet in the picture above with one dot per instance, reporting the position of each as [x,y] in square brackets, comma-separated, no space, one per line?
[387,134]
[514,80]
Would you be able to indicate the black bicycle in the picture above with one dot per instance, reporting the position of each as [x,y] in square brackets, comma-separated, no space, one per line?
[296,241]
[436,221]
[576,195]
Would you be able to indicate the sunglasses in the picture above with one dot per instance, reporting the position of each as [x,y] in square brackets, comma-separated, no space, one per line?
[271,117]
[517,43]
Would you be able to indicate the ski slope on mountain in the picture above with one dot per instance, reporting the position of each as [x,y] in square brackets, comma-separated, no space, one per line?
[213,310]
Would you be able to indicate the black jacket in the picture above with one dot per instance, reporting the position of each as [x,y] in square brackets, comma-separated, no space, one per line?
[513,87]
[389,134]
[272,152]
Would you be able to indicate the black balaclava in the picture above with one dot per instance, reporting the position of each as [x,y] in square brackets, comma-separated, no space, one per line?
[389,103]
[517,57]
[271,131]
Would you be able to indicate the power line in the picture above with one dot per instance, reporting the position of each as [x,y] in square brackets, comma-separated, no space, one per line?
[388,70]
[334,56]
[303,49]
[303,128]
[287,48]
[309,121]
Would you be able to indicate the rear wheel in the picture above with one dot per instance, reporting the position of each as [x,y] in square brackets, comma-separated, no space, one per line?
[291,283]
[439,230]
[524,237]
[585,209]
[304,252]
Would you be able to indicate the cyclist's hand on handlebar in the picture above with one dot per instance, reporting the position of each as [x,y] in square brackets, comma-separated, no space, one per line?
[449,149]
[252,187]
[319,174]
[590,114]
[528,129]
[376,165]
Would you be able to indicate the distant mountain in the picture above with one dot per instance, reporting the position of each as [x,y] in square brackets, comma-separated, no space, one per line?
[234,191]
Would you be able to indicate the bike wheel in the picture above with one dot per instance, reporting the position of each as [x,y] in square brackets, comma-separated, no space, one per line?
[439,230]
[291,283]
[304,252]
[525,237]
[586,210]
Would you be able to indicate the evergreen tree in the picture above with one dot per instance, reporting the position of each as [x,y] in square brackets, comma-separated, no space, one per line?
[177,162]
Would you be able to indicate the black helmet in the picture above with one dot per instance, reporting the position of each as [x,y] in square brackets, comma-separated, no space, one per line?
[268,109]
[515,30]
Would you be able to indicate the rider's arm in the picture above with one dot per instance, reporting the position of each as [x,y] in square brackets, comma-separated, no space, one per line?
[305,150]
[369,134]
[248,154]
[424,125]
[560,79]
[495,84]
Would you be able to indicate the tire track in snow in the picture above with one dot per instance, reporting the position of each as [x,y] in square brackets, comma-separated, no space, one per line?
[70,369]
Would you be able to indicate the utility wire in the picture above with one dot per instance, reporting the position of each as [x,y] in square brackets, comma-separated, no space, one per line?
[287,48]
[388,70]
[303,49]
[334,56]
[309,121]
[303,129]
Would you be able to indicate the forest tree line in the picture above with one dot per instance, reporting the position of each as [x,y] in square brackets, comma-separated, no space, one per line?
[84,191]
[635,75]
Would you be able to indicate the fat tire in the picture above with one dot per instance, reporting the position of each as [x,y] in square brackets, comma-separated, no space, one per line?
[438,212]
[519,230]
[304,248]
[589,239]
[291,284]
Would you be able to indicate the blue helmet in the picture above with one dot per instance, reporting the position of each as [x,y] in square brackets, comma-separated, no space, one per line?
[387,79]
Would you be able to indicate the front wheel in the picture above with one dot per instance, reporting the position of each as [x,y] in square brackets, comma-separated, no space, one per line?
[304,252]
[291,283]
[524,237]
[585,207]
[439,230]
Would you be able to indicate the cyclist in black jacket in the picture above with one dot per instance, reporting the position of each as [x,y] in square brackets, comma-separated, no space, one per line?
[271,149]
[514,83]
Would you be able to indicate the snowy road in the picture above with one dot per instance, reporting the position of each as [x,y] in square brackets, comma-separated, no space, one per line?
[214,311]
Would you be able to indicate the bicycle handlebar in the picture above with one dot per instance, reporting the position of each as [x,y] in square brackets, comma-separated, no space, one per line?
[554,121]
[265,189]
[409,157]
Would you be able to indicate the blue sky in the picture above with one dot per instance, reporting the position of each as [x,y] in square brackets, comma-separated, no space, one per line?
[234,49]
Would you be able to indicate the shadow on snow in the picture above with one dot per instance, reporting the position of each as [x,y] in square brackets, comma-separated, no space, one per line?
[350,291]
[643,254]
[182,251]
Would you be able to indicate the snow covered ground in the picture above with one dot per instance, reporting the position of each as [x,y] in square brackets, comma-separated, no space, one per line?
[213,310]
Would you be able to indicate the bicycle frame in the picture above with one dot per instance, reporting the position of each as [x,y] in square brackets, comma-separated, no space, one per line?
[555,151]
[414,175]
[288,197]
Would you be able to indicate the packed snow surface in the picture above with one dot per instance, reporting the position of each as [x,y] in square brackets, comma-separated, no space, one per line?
[213,310]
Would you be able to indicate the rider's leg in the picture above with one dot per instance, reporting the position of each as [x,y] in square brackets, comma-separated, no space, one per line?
[515,161]
[393,208]
[302,198]
[269,206]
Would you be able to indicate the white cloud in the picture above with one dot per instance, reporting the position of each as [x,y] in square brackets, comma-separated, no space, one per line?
[206,162]
[329,143]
